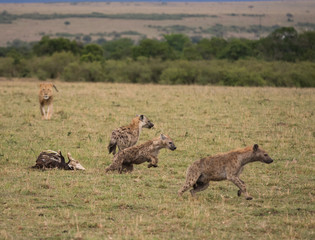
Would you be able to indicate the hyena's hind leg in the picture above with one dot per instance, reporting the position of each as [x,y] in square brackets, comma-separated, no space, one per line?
[191,180]
[116,165]
[198,187]
[127,167]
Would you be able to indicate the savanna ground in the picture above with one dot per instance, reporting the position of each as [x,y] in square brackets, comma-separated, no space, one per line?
[202,120]
[228,14]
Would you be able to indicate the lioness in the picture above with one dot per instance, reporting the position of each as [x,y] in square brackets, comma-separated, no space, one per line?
[46,99]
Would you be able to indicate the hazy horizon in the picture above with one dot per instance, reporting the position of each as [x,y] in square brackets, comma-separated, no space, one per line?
[59,1]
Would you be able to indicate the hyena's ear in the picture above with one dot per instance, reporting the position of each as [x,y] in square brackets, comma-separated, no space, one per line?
[162,136]
[141,117]
[255,148]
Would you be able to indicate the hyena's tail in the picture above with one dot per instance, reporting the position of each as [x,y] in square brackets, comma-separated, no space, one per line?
[112,146]
[192,176]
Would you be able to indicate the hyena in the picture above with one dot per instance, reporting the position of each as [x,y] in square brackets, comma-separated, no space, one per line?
[128,136]
[146,152]
[226,166]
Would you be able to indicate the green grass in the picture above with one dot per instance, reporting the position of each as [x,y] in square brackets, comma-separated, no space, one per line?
[202,120]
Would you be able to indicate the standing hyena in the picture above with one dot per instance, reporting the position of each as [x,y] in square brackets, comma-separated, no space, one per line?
[128,136]
[226,166]
[146,152]
[46,99]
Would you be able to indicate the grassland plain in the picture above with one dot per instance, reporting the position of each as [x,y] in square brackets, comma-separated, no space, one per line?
[232,15]
[202,120]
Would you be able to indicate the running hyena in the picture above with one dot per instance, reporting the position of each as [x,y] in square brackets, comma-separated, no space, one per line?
[226,166]
[146,152]
[128,136]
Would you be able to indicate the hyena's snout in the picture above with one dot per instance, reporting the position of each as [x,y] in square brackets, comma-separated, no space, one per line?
[172,147]
[150,125]
[267,159]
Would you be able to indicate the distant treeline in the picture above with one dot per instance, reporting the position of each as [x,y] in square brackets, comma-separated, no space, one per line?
[283,58]
[6,17]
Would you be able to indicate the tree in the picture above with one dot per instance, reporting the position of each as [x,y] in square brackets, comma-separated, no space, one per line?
[152,48]
[211,48]
[236,49]
[118,49]
[87,38]
[306,42]
[47,46]
[92,52]
[177,42]
[281,44]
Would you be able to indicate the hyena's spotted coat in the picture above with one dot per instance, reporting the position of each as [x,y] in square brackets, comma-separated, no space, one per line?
[146,152]
[128,136]
[226,166]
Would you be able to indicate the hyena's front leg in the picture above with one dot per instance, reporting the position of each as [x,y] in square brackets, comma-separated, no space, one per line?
[239,192]
[153,162]
[241,185]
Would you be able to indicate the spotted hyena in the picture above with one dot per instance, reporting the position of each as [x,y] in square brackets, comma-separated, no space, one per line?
[128,136]
[146,152]
[226,166]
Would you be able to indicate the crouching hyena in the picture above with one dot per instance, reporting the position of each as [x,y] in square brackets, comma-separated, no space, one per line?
[128,136]
[226,166]
[146,152]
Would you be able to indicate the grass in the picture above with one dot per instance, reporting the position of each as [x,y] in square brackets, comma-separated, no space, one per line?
[202,120]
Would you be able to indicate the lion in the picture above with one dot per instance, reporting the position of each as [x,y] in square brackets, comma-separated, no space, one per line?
[46,99]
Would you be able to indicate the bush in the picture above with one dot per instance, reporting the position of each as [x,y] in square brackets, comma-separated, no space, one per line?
[84,71]
[180,72]
[138,72]
[12,67]
[52,66]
